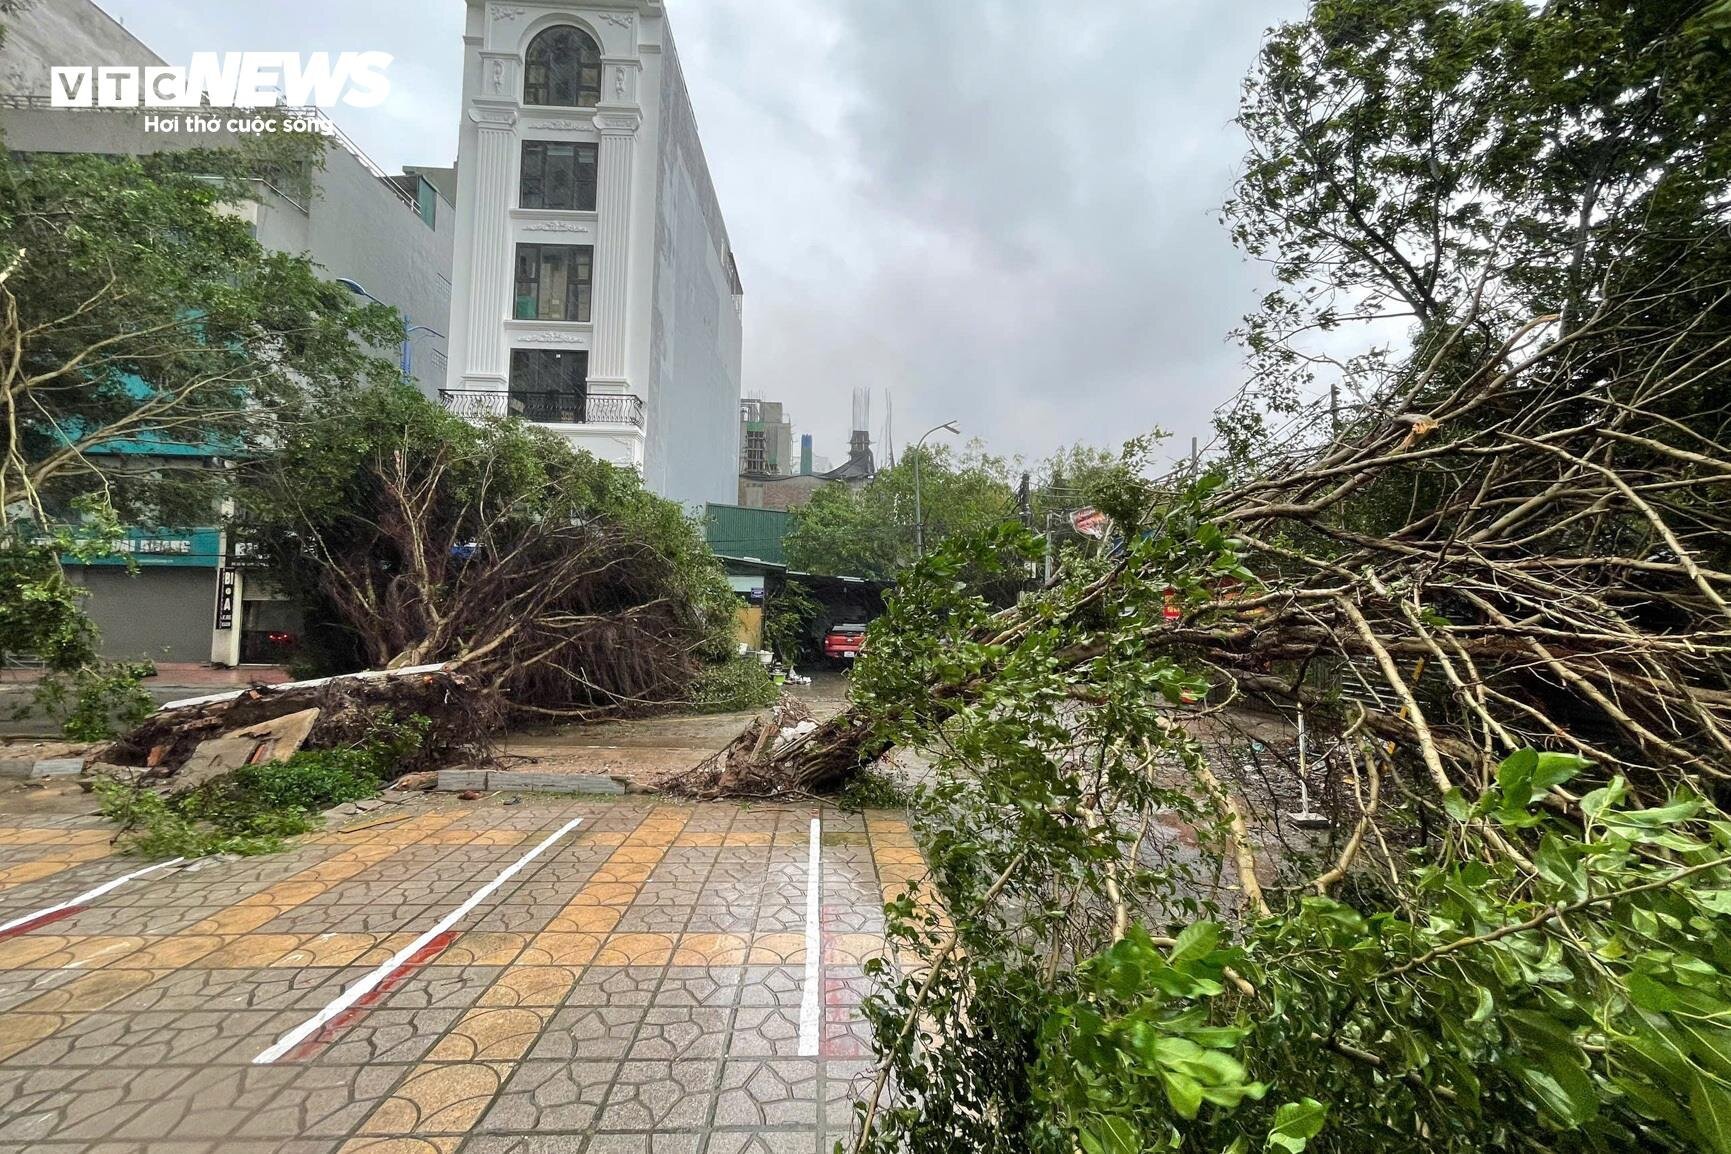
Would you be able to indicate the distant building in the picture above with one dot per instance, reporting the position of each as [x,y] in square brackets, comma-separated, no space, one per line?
[765,439]
[192,600]
[769,491]
[596,290]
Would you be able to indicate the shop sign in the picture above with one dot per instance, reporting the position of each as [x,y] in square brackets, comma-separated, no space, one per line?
[153,548]
[1090,522]
[225,583]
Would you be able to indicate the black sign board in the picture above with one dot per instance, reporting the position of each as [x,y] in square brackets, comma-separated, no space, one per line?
[225,599]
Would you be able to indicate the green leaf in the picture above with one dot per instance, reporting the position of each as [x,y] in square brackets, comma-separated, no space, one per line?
[1710,1045]
[1184,1093]
[1111,1136]
[1710,1104]
[1295,1124]
[1647,993]
[1515,779]
[1596,803]
[1556,768]
[1562,1088]
[1486,1005]
[1194,943]
[1455,802]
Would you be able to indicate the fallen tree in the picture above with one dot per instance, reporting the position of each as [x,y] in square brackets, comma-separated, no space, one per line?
[552,581]
[1501,599]
[1494,573]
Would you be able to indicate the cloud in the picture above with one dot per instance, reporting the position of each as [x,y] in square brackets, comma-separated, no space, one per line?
[1005,213]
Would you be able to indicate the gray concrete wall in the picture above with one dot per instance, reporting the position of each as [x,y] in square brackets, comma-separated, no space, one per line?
[358,229]
[63,32]
[697,332]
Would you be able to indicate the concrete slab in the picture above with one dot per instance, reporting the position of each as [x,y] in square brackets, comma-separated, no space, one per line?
[526,781]
[58,767]
[274,740]
[457,780]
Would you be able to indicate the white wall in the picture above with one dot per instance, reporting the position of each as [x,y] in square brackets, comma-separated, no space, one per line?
[695,354]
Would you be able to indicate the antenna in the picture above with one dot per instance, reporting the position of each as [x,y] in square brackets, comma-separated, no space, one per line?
[889,443]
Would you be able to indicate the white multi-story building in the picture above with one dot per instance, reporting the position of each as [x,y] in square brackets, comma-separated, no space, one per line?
[594,289]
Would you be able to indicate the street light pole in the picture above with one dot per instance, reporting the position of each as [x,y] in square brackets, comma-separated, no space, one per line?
[407,360]
[919,522]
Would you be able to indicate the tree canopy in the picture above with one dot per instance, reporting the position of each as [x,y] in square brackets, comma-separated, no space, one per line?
[143,332]
[140,321]
[1421,164]
[869,531]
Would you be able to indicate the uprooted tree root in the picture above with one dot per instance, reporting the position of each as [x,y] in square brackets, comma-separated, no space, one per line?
[755,764]
[461,719]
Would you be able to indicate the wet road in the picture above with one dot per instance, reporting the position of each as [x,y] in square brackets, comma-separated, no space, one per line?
[560,975]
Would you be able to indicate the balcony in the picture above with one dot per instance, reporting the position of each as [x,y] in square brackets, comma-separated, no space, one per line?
[546,408]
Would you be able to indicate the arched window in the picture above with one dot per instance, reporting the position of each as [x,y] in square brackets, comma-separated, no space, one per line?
[563,69]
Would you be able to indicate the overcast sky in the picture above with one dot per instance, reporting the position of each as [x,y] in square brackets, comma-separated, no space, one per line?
[1002,211]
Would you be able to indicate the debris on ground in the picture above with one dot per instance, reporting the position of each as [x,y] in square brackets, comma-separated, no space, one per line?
[22,757]
[202,738]
[275,740]
[733,770]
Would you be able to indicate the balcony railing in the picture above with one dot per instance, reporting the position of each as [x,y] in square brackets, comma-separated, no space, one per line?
[546,408]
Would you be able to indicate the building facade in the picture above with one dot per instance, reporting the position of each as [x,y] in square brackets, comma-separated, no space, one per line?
[187,597]
[596,292]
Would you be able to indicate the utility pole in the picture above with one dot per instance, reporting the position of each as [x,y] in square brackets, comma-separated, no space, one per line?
[1051,547]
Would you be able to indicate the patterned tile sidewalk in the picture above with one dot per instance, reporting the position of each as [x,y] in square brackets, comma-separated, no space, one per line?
[637,987]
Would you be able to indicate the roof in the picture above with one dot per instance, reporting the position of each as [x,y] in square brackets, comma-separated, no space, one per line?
[753,563]
[747,534]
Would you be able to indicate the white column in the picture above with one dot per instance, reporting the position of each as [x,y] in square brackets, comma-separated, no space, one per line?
[613,244]
[492,261]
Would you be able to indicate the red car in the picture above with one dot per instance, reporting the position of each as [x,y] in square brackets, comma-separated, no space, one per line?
[843,643]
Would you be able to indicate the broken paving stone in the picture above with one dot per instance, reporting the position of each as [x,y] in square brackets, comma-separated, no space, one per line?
[57,767]
[367,805]
[124,774]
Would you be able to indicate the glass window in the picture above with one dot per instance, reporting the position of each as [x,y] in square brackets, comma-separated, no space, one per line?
[563,69]
[549,385]
[554,281]
[557,175]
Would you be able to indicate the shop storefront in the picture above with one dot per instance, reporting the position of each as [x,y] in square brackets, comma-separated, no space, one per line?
[153,598]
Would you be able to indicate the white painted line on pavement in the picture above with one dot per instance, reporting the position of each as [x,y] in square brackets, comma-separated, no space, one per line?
[88,896]
[368,983]
[811,1000]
